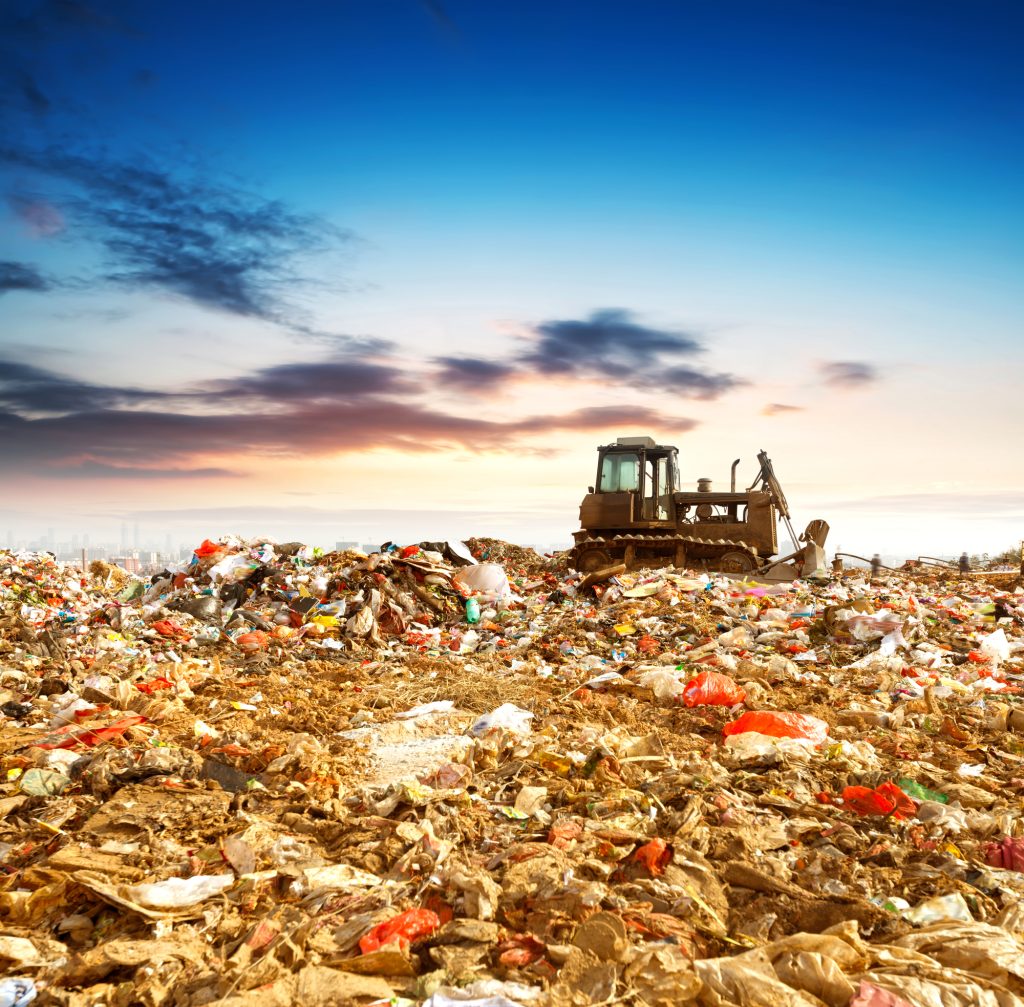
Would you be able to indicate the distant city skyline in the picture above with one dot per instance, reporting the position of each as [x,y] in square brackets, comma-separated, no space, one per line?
[395,269]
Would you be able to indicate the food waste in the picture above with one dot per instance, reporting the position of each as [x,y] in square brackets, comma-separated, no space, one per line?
[465,774]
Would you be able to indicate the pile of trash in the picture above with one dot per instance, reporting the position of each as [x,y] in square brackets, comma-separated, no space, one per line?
[462,775]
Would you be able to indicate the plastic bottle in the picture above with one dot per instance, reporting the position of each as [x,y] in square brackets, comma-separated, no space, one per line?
[472,611]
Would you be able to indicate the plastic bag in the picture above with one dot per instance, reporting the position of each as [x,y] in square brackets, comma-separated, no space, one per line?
[401,930]
[486,581]
[780,725]
[886,799]
[942,907]
[710,688]
[1008,853]
[177,893]
[256,640]
[17,992]
[870,995]
[996,646]
[208,548]
[663,682]
[507,717]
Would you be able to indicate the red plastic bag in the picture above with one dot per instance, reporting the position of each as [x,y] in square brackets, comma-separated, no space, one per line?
[779,725]
[886,799]
[69,737]
[711,688]
[154,685]
[208,548]
[1008,853]
[401,930]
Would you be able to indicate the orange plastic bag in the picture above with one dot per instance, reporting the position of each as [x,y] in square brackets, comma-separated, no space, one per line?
[779,725]
[654,855]
[711,688]
[208,548]
[886,799]
[256,640]
[401,930]
[171,630]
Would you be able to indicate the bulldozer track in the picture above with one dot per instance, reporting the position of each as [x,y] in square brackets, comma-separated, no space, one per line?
[696,546]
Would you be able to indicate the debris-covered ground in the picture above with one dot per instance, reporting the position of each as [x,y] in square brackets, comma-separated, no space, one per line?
[278,777]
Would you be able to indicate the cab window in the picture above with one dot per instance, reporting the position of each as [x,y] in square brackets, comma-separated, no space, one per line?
[620,473]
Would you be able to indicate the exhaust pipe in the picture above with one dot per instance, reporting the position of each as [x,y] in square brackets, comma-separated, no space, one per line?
[734,464]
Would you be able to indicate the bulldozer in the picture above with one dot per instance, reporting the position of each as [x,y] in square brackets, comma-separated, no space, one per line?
[637,514]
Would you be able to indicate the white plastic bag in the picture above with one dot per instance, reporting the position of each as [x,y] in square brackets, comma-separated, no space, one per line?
[485,581]
[177,893]
[507,717]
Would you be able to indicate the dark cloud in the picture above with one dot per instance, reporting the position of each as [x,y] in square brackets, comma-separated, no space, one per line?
[848,373]
[56,424]
[693,383]
[608,341]
[21,276]
[611,344]
[778,408]
[324,380]
[36,40]
[473,373]
[214,245]
[28,389]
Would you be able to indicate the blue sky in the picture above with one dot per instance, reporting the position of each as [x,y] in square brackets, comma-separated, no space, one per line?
[209,209]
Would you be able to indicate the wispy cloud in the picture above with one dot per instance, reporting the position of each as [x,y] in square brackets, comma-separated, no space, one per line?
[28,390]
[473,373]
[21,276]
[214,245]
[848,373]
[55,424]
[780,408]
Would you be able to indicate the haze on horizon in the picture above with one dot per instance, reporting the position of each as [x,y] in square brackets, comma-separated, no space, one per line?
[393,269]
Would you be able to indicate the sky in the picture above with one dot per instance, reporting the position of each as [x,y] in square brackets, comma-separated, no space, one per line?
[392,269]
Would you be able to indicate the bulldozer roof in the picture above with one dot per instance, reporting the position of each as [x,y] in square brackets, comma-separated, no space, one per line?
[637,442]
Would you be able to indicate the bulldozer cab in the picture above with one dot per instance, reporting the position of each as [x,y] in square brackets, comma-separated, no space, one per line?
[636,479]
[637,513]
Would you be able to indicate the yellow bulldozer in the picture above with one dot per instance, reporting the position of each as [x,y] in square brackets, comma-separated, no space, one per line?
[637,513]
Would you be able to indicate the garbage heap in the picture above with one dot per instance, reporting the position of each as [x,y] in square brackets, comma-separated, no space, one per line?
[453,774]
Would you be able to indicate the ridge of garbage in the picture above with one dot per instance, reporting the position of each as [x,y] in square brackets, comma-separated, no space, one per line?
[463,774]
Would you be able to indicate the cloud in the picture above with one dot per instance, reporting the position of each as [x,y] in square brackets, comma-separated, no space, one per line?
[310,382]
[609,345]
[25,389]
[21,276]
[61,424]
[41,38]
[605,418]
[608,341]
[848,373]
[214,245]
[91,469]
[472,373]
[41,219]
[612,344]
[779,408]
